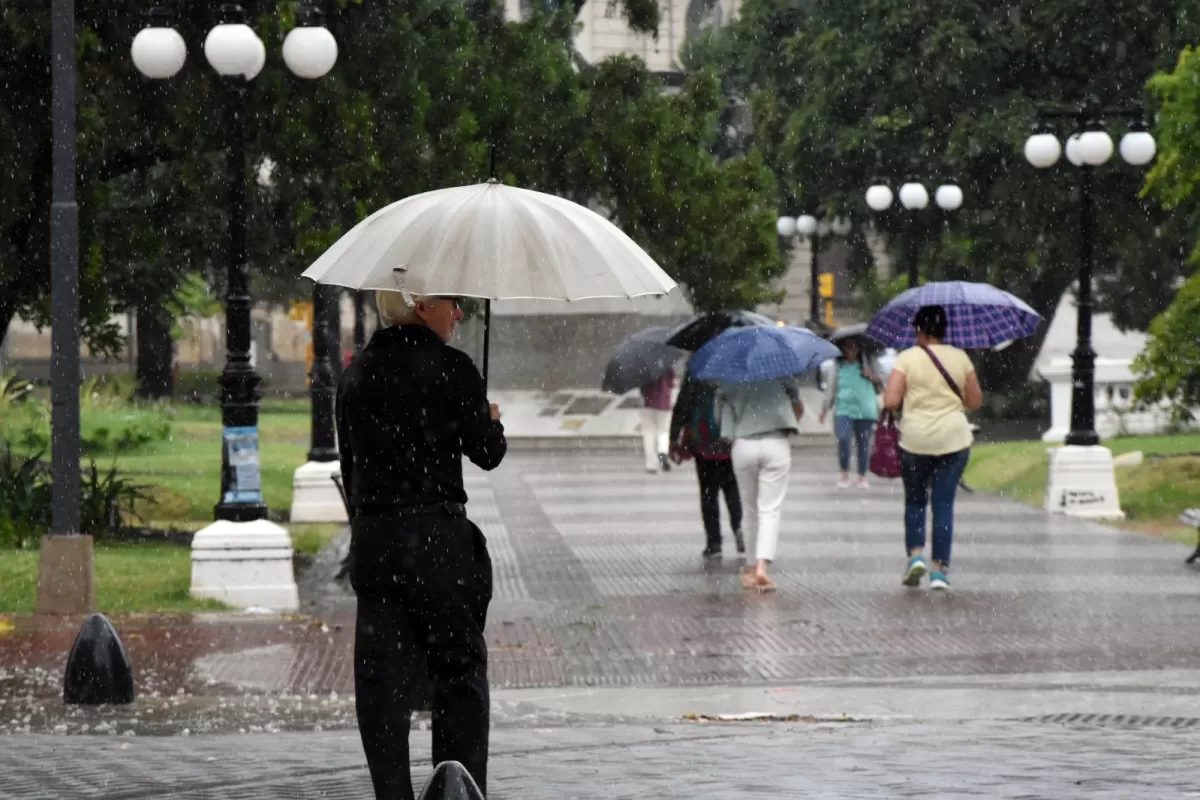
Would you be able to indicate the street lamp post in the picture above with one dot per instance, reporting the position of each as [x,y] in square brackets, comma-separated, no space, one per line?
[65,566]
[234,50]
[914,197]
[1088,147]
[814,230]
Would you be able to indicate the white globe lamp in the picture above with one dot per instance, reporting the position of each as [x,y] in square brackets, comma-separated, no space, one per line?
[1072,150]
[948,197]
[310,52]
[823,228]
[158,52]
[786,227]
[842,225]
[914,196]
[806,224]
[232,48]
[1042,150]
[260,61]
[1138,148]
[879,197]
[1095,147]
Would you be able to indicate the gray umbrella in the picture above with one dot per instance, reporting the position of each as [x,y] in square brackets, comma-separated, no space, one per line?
[642,358]
[856,331]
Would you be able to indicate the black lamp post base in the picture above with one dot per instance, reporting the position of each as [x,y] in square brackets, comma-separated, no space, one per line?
[1082,439]
[240,512]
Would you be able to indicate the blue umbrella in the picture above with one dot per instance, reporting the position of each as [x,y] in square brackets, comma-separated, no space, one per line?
[759,353]
[979,315]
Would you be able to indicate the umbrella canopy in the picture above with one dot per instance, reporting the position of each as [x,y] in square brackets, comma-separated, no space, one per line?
[494,242]
[979,315]
[693,334]
[642,358]
[760,353]
[856,331]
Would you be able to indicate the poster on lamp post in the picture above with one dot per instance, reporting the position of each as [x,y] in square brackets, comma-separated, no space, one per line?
[241,452]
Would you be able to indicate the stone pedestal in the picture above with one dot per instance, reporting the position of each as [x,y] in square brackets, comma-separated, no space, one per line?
[1083,483]
[315,497]
[245,564]
[66,581]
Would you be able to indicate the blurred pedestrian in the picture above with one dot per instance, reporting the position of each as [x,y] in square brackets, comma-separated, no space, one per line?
[408,408]
[853,395]
[656,422]
[696,433]
[759,418]
[935,385]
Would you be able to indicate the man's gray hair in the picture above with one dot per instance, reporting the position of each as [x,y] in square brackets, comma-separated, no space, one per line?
[396,308]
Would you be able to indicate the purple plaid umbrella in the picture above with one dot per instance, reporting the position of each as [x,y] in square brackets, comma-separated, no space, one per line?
[979,315]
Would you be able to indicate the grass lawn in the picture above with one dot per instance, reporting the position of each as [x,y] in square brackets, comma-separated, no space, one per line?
[129,578]
[185,470]
[183,475]
[1152,495]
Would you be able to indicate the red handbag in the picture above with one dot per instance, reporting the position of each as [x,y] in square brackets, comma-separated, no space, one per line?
[885,455]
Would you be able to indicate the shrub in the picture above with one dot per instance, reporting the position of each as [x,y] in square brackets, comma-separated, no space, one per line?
[105,500]
[24,499]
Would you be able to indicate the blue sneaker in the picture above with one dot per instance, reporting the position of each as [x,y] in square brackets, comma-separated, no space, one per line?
[938,581]
[916,571]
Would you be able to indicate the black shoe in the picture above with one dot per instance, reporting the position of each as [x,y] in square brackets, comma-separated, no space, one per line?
[664,462]
[741,543]
[712,553]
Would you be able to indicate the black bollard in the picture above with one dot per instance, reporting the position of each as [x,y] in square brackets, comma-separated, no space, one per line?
[98,669]
[450,781]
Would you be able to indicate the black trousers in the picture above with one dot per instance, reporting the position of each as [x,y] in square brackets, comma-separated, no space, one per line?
[423,587]
[717,476]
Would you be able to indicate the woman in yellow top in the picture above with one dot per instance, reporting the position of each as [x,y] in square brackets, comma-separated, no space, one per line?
[936,385]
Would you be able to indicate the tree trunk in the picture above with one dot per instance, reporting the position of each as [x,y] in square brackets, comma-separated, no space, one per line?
[7,312]
[155,379]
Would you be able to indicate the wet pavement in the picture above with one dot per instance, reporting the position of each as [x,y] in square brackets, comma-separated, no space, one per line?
[742,762]
[600,584]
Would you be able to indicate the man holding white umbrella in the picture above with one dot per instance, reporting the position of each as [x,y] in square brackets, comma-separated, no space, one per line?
[425,405]
[409,408]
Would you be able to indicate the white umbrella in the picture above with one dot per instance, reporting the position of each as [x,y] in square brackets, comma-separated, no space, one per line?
[493,242]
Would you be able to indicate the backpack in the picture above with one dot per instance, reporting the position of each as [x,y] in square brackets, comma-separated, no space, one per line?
[703,434]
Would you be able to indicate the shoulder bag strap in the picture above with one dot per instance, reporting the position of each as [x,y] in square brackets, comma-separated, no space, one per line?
[949,381]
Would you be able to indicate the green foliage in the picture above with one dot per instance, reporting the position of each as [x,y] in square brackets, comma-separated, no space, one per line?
[198,386]
[109,423]
[24,499]
[1169,368]
[106,500]
[845,94]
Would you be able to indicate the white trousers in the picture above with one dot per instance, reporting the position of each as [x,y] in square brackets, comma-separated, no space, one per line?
[762,466]
[656,430]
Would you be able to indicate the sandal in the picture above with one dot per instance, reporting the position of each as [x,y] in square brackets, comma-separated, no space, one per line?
[764,584]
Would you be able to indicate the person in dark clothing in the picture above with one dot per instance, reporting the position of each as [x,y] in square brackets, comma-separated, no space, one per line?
[409,407]
[695,433]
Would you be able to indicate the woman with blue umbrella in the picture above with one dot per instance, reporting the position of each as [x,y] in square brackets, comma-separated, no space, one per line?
[759,408]
[935,384]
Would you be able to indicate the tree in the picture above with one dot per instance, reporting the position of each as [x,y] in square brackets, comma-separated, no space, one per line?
[423,92]
[844,94]
[1169,369]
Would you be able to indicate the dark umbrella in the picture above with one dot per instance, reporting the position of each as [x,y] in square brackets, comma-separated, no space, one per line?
[856,331]
[695,333]
[642,358]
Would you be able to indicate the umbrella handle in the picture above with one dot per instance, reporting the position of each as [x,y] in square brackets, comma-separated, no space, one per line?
[487,339]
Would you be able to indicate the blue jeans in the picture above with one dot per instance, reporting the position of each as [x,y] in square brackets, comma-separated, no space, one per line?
[933,478]
[847,428]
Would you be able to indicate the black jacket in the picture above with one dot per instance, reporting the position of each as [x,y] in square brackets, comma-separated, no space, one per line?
[408,408]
